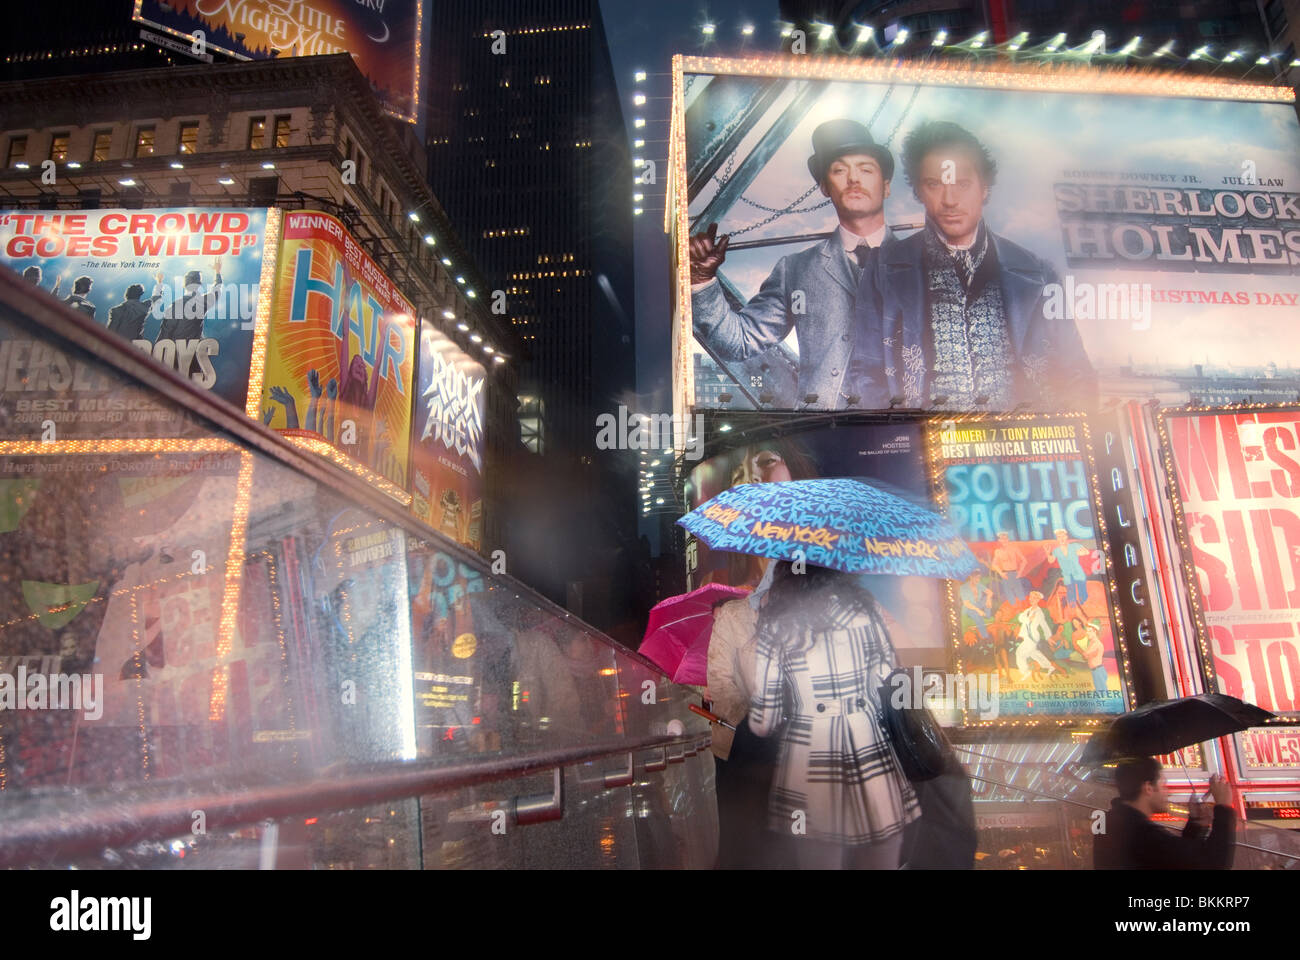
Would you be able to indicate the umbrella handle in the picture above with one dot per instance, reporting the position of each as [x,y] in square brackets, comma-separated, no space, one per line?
[711,717]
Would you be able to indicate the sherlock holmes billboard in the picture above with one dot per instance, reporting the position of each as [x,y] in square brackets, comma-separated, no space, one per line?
[863,236]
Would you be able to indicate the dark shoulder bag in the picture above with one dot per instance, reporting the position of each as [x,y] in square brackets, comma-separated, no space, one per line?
[917,739]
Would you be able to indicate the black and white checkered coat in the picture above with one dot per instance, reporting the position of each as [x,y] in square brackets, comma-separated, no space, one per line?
[835,763]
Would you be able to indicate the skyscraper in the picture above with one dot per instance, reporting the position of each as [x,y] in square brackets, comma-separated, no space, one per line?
[528,152]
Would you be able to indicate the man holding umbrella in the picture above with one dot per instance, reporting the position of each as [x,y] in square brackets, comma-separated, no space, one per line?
[1131,840]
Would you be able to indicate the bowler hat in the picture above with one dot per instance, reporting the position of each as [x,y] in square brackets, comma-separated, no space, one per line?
[838,138]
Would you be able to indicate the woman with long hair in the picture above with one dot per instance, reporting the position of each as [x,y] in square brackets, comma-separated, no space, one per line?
[822,652]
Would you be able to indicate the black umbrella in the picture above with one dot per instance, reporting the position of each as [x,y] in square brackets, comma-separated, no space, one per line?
[1169,725]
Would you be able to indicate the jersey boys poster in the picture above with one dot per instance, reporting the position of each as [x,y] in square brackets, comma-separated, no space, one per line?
[341,349]
[447,455]
[1038,614]
[1238,480]
[180,284]
[1126,245]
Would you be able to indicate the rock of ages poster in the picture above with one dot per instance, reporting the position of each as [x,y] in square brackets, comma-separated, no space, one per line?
[447,453]
[340,349]
[1238,480]
[1037,615]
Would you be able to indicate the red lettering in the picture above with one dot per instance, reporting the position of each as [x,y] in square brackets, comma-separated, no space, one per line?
[1242,565]
[1264,747]
[1197,459]
[1223,645]
[1218,591]
[1236,459]
[1284,662]
[1266,550]
[1287,480]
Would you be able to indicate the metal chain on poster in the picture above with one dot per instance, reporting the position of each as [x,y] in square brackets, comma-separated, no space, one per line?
[792,207]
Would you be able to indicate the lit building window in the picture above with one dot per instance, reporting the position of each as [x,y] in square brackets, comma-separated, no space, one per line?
[281,131]
[103,141]
[188,139]
[17,151]
[257,133]
[144,139]
[59,147]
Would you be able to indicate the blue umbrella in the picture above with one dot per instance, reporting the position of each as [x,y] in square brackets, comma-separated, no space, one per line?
[843,524]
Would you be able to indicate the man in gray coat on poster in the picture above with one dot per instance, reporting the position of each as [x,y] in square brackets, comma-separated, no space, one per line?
[811,292]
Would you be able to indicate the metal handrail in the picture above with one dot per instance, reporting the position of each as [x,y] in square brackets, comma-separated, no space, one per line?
[56,832]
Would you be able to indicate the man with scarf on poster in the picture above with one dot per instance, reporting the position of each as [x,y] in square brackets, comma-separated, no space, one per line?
[954,317]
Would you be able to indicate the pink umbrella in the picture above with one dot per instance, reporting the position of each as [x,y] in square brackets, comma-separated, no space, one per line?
[677,636]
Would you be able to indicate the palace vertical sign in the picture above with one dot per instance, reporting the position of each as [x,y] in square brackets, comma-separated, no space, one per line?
[1238,479]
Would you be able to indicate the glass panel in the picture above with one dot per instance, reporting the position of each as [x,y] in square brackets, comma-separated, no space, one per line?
[180,614]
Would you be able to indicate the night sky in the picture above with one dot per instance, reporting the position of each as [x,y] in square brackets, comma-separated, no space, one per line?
[644,36]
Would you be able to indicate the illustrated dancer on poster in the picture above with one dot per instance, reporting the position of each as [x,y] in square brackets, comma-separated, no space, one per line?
[1034,629]
[977,606]
[1066,555]
[183,319]
[1010,565]
[1088,643]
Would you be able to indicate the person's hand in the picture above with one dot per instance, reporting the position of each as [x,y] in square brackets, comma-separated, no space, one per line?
[281,395]
[332,388]
[313,382]
[707,253]
[1201,814]
[1221,790]
[216,266]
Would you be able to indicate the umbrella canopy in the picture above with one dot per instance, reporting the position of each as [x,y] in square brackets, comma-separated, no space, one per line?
[677,636]
[843,524]
[1169,725]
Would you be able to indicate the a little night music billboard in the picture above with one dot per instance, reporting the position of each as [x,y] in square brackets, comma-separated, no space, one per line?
[383,36]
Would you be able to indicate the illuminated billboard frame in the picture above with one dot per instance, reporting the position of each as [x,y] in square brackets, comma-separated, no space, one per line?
[934,430]
[1190,578]
[1009,77]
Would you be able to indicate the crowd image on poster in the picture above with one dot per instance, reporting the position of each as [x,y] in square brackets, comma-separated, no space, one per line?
[1037,614]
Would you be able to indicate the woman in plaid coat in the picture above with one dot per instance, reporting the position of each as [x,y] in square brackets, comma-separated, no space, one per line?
[838,791]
